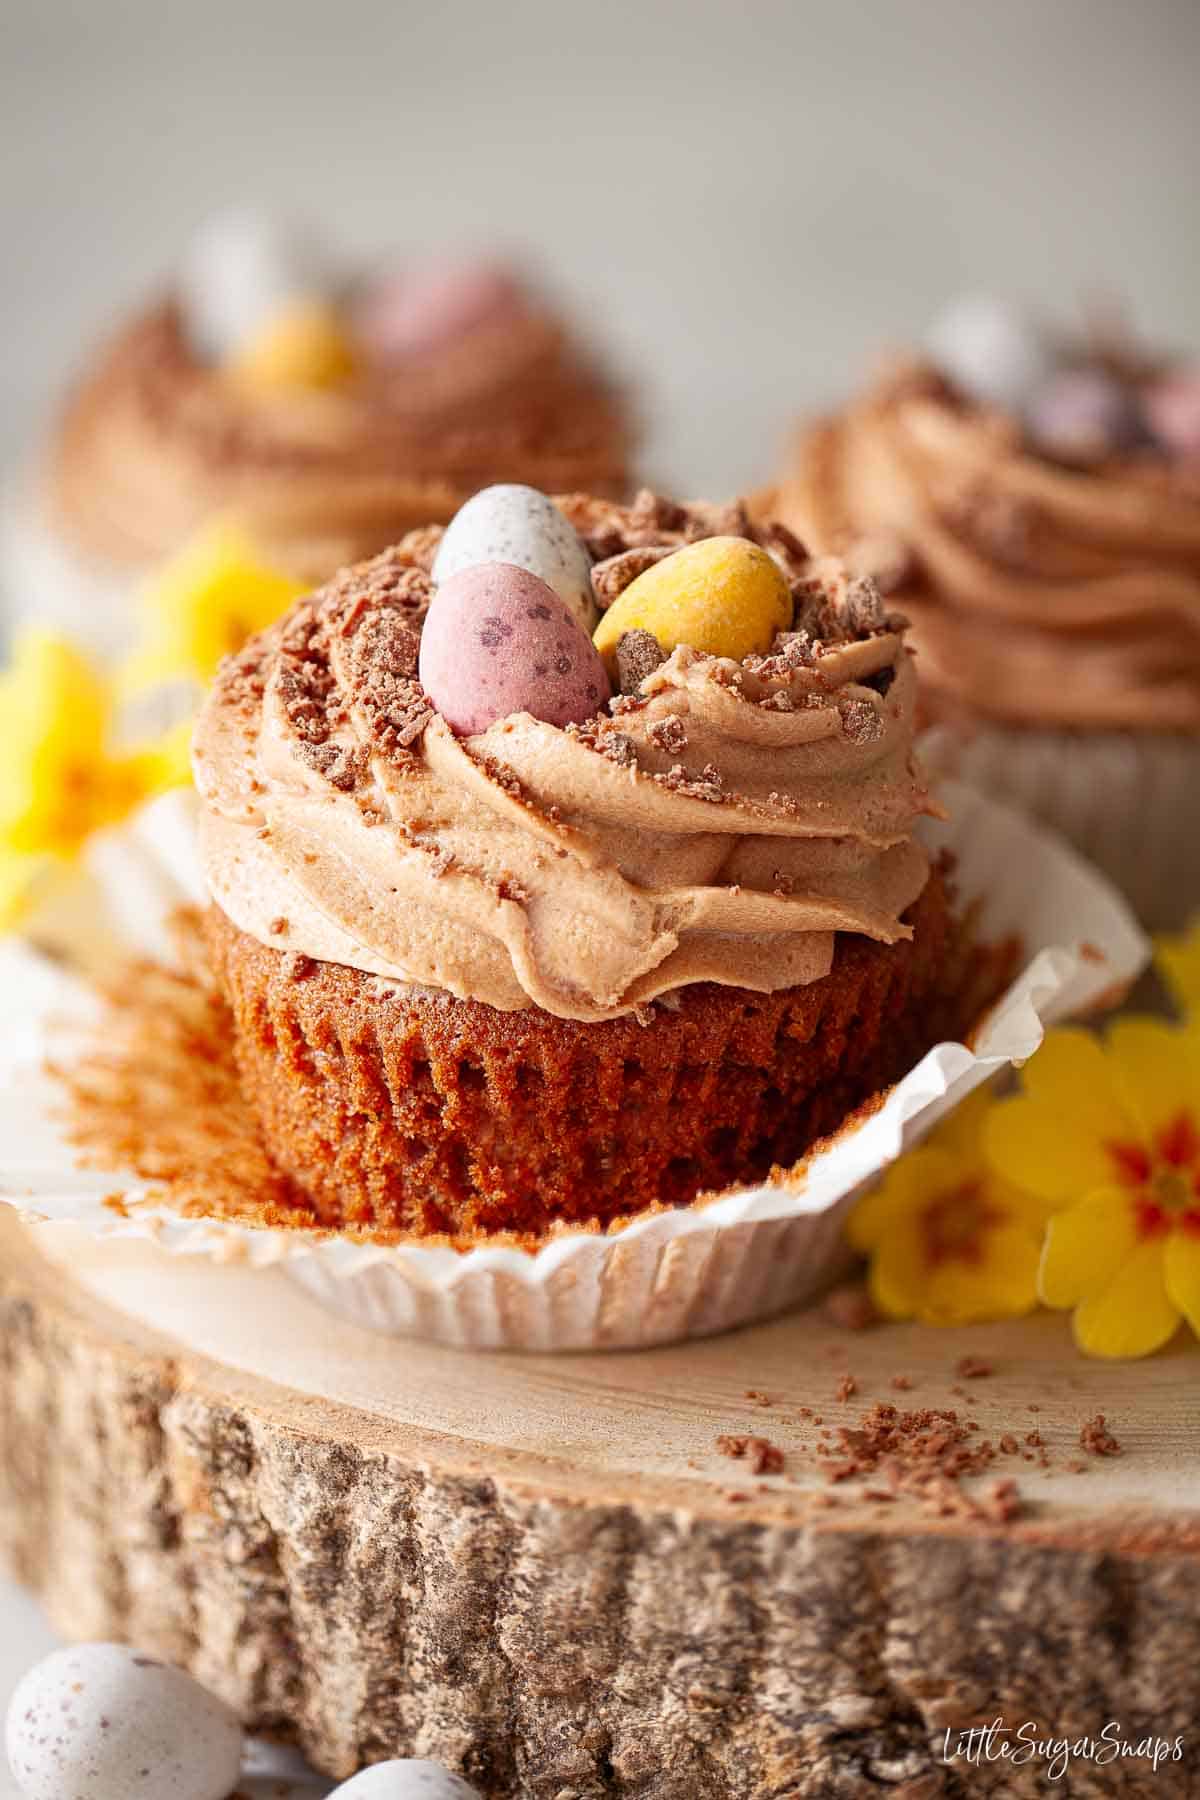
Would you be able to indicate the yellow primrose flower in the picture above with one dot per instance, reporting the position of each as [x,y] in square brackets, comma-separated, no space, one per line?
[1107,1135]
[949,1240]
[205,603]
[60,777]
[1178,961]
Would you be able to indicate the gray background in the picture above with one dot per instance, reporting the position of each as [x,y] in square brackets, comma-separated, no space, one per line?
[747,200]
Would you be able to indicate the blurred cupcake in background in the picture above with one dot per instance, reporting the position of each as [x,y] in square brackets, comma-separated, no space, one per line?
[1032,502]
[323,411]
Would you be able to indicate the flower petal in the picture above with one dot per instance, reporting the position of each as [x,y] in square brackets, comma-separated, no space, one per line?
[1133,1315]
[898,1270]
[1002,1284]
[908,1184]
[1181,1267]
[1154,1072]
[961,1131]
[1085,1247]
[1047,1150]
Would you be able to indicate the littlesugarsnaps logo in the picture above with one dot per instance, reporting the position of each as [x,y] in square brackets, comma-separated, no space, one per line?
[1030,1742]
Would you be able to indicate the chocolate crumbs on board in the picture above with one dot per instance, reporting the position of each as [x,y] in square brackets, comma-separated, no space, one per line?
[764,1457]
[1097,1439]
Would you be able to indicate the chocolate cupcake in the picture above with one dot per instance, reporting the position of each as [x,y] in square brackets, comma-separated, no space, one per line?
[1033,504]
[505,951]
[328,411]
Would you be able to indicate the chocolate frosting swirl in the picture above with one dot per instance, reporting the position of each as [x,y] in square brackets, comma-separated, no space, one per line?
[1038,593]
[720,823]
[155,440]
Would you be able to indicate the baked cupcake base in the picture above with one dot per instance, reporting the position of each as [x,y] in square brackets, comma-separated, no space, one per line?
[404,1112]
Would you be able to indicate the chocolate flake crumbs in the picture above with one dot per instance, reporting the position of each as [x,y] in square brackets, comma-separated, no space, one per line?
[860,721]
[618,747]
[764,1457]
[613,575]
[669,734]
[708,786]
[655,512]
[972,1368]
[279,926]
[639,653]
[1097,1439]
[925,1455]
[757,1396]
[847,1387]
[901,1383]
[1009,1444]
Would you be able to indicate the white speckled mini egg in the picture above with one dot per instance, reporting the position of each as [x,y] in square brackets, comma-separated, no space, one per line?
[405,1779]
[511,523]
[102,1722]
[239,272]
[992,351]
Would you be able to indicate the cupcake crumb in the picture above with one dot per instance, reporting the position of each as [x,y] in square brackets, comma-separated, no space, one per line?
[1097,1439]
[764,1457]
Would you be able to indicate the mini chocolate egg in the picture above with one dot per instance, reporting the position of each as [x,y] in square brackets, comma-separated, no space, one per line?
[510,523]
[303,346]
[1172,411]
[990,350]
[1082,415]
[413,310]
[498,640]
[102,1722]
[723,595]
[407,1778]
[239,272]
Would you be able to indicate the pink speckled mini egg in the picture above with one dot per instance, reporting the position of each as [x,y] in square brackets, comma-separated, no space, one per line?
[417,309]
[498,640]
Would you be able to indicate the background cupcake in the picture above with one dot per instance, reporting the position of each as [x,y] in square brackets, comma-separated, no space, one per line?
[328,411]
[474,872]
[1033,502]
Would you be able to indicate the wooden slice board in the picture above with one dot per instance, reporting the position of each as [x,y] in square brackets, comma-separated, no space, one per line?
[542,1571]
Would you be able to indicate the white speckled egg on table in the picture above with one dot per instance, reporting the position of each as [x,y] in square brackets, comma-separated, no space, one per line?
[102,1722]
[405,1779]
[511,523]
[238,273]
[497,640]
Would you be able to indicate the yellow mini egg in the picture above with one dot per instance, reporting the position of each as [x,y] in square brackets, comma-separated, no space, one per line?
[304,346]
[724,596]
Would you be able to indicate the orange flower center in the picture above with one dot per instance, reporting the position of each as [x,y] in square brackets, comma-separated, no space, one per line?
[1163,1177]
[954,1224]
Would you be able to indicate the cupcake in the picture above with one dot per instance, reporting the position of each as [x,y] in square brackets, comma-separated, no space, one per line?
[563,866]
[328,413]
[1033,504]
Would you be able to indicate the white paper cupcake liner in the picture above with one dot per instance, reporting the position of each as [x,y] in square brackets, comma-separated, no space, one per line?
[1127,800]
[687,1273]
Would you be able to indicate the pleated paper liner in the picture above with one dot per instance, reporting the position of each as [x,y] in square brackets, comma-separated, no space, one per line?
[722,1262]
